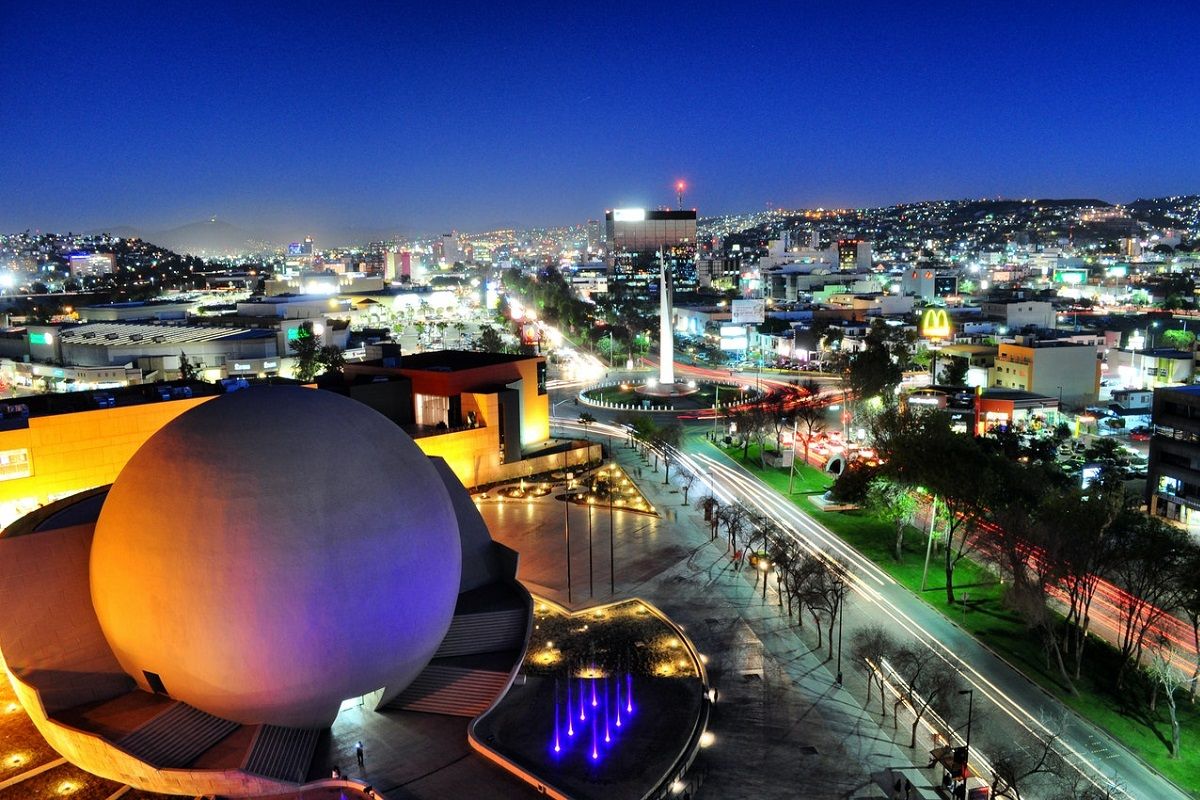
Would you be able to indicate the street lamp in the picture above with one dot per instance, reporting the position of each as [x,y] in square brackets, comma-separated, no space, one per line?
[970,710]
[591,576]
[841,612]
[567,536]
[612,559]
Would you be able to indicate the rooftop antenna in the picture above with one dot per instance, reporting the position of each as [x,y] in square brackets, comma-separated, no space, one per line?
[679,187]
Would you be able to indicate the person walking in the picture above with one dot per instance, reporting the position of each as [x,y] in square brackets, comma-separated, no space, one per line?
[358,752]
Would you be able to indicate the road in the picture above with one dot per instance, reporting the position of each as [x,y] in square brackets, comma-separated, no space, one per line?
[1017,702]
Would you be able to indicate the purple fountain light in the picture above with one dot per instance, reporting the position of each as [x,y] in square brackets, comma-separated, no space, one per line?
[618,683]
[628,693]
[607,738]
[595,752]
[582,704]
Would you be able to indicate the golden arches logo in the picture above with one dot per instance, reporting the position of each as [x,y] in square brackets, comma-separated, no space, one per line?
[935,323]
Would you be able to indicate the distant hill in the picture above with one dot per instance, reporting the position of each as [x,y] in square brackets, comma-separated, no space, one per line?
[210,238]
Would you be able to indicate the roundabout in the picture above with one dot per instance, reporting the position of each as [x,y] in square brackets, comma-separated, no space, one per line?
[650,395]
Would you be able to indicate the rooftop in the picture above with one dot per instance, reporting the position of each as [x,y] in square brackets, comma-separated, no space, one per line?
[123,334]
[457,360]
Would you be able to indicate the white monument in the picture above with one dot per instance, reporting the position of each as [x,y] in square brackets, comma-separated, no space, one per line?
[666,338]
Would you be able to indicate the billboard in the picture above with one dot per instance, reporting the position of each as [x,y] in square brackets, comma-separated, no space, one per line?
[733,337]
[749,312]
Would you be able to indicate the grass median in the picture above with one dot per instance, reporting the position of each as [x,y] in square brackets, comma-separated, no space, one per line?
[980,610]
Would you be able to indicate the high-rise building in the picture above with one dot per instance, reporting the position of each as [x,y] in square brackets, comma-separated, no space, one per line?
[306,249]
[637,239]
[854,254]
[595,237]
[92,263]
[397,266]
[451,247]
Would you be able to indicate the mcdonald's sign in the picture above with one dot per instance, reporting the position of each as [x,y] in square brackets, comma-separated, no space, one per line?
[935,323]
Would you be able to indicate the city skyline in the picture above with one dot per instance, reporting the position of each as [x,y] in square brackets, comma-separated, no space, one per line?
[415,120]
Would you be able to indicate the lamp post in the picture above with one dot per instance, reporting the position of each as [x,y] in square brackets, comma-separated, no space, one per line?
[764,567]
[591,576]
[567,538]
[970,710]
[612,559]
[841,611]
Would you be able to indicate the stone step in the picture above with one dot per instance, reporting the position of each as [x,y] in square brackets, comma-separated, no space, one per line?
[284,754]
[177,736]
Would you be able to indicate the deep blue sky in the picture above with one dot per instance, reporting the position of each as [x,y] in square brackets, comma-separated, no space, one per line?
[436,115]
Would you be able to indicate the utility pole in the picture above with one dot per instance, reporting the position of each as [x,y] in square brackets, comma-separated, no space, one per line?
[929,543]
[792,472]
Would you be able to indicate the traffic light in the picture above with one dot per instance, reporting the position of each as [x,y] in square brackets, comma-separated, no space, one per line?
[961,756]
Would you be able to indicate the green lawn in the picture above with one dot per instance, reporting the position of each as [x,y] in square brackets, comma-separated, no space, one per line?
[1124,715]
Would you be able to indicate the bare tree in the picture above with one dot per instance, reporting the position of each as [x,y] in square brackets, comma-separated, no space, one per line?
[1034,758]
[686,482]
[928,682]
[869,647]
[1168,679]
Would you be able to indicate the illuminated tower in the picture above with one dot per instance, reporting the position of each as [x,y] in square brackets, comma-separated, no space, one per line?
[666,342]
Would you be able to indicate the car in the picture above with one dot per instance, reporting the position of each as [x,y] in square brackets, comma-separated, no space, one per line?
[1140,436]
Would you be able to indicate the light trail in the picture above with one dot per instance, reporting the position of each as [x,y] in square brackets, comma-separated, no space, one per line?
[814,537]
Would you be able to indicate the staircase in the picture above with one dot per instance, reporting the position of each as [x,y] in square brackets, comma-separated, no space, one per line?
[453,690]
[176,737]
[283,754]
[484,632]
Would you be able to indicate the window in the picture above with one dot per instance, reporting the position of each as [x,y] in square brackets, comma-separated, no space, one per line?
[15,464]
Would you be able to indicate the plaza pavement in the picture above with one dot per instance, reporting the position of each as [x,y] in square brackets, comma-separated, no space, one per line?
[782,727]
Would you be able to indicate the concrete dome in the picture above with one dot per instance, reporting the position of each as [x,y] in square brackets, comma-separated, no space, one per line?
[273,552]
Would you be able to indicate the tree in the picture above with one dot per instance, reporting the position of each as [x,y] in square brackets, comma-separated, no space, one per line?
[954,371]
[307,348]
[928,682]
[1032,756]
[586,420]
[869,647]
[1147,564]
[810,423]
[892,503]
[490,340]
[332,359]
[188,370]
[688,481]
[1179,339]
[1167,678]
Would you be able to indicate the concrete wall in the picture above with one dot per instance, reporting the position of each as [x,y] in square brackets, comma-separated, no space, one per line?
[51,638]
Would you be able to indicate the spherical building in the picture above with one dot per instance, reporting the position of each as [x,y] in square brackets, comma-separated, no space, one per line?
[273,552]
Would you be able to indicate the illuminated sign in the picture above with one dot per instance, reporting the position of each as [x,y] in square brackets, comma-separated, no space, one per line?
[241,367]
[728,331]
[270,365]
[629,215]
[924,400]
[935,323]
[41,338]
[1071,277]
[294,333]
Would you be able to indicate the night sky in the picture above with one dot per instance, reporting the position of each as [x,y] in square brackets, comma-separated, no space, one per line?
[434,115]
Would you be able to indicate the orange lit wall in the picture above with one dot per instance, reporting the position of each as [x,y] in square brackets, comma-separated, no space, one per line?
[73,452]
